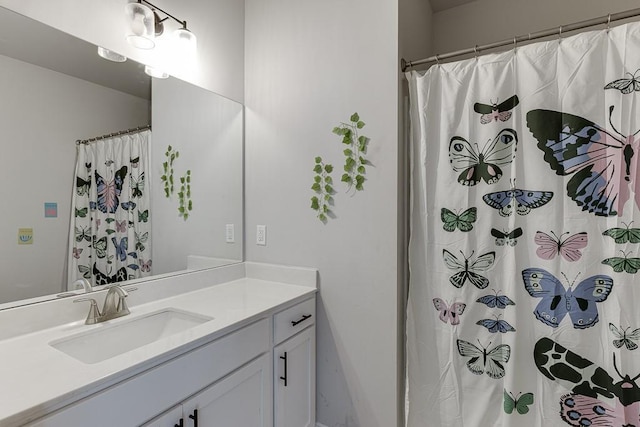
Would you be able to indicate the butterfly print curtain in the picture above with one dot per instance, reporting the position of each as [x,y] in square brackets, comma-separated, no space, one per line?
[110,233]
[525,236]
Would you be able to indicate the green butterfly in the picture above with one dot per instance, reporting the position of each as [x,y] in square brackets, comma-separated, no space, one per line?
[520,403]
[464,221]
[86,271]
[100,246]
[624,235]
[82,213]
[143,216]
[624,263]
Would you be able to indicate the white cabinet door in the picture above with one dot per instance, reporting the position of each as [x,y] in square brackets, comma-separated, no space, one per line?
[243,399]
[295,380]
[171,418]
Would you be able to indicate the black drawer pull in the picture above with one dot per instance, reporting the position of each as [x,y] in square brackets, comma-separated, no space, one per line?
[304,317]
[194,417]
[180,424]
[285,368]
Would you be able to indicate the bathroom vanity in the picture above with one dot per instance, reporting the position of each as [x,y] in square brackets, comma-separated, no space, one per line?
[229,346]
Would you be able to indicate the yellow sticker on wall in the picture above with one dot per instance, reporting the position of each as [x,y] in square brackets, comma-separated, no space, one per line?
[25,236]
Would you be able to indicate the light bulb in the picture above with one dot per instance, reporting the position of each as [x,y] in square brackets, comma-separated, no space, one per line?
[155,72]
[137,24]
[141,29]
[111,55]
[185,41]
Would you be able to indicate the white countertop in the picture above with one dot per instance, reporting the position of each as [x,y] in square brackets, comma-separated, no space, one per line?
[36,378]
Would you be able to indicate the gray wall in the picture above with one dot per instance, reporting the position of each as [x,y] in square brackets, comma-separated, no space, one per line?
[486,21]
[206,129]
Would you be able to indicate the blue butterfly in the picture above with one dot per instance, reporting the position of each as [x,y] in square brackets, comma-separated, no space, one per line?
[121,248]
[522,201]
[128,206]
[557,301]
[496,325]
[109,191]
[496,301]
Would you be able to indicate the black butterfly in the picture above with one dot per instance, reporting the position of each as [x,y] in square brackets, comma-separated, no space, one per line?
[496,111]
[506,237]
[476,165]
[626,86]
[104,279]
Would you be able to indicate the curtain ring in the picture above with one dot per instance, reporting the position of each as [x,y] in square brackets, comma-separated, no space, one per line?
[515,42]
[437,59]
[608,22]
[560,32]
[475,50]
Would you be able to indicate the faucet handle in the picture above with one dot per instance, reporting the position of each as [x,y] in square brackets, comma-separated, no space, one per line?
[94,311]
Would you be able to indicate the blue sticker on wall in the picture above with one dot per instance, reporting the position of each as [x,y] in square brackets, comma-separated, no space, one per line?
[50,210]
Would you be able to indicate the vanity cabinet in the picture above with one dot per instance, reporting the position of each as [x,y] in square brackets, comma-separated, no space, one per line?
[241,399]
[142,397]
[260,375]
[294,366]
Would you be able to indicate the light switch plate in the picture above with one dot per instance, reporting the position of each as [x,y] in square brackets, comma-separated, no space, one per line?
[230,233]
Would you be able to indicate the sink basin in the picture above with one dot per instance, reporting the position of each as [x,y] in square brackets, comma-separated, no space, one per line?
[108,341]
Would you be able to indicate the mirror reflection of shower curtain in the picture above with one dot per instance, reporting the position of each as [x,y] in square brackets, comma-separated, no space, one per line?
[110,232]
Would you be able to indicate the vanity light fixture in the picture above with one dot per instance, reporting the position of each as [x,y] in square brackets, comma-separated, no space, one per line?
[145,24]
[111,55]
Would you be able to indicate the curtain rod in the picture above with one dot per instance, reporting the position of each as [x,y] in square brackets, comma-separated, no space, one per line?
[405,65]
[109,135]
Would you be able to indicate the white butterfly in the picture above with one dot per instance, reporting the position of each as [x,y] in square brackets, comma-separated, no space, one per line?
[624,338]
[492,361]
[466,270]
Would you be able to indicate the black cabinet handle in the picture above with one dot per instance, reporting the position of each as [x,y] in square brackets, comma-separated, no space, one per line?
[304,317]
[285,368]
[194,417]
[180,424]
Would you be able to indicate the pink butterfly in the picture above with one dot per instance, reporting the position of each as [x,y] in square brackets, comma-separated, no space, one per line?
[449,314]
[121,226]
[569,248]
[603,164]
[579,410]
[145,266]
[77,252]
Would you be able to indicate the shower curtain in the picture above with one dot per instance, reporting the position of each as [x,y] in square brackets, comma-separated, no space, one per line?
[524,299]
[110,233]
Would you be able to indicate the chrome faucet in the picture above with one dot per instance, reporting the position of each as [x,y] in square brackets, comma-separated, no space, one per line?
[82,284]
[114,306]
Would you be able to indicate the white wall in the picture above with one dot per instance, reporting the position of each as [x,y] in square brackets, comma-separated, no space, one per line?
[37,140]
[486,21]
[309,66]
[218,25]
[206,129]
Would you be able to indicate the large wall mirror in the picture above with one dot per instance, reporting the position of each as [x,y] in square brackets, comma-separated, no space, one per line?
[56,90]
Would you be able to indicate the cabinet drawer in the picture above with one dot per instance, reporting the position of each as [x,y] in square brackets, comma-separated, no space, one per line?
[294,319]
